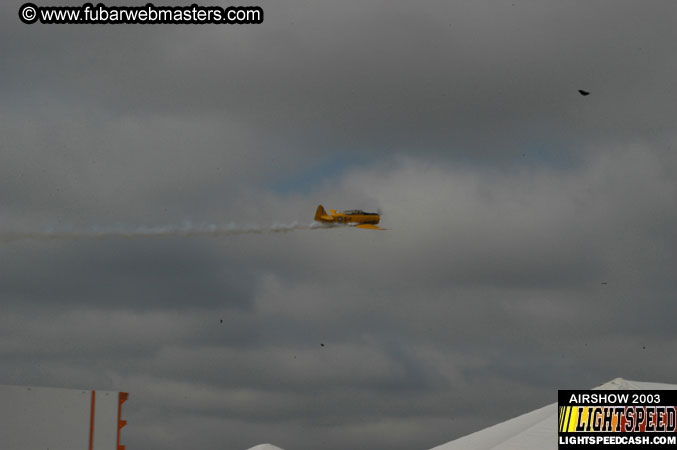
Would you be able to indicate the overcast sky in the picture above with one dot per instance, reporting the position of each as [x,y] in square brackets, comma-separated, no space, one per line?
[532,234]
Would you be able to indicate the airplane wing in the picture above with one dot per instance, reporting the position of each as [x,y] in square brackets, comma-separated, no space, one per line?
[369,226]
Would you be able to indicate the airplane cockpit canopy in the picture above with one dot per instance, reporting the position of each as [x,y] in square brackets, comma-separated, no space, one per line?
[359,212]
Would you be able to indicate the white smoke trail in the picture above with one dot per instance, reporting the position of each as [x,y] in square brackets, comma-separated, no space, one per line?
[187,230]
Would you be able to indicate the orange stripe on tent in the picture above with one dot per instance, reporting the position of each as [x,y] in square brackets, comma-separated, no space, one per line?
[91,421]
[122,397]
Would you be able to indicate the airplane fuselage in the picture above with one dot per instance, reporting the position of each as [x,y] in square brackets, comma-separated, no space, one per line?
[357,218]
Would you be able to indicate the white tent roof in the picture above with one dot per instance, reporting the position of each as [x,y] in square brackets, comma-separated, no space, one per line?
[536,430]
[265,447]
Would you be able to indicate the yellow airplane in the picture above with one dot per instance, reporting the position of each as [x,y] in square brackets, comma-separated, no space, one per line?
[354,217]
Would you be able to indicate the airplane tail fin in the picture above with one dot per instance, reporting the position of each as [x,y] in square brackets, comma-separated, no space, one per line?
[320,212]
